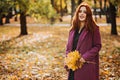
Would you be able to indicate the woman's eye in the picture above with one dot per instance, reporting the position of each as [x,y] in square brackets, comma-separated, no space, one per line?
[80,11]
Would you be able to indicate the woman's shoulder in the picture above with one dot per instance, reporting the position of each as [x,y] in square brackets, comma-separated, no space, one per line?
[96,30]
[71,29]
[96,27]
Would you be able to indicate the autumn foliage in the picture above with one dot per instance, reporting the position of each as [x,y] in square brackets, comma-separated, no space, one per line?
[72,60]
[40,54]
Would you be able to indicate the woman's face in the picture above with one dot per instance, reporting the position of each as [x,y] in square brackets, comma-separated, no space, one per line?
[82,14]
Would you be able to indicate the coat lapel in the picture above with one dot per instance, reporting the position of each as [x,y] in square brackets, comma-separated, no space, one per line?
[71,39]
[81,38]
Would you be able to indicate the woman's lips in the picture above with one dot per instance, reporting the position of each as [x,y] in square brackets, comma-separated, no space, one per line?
[81,17]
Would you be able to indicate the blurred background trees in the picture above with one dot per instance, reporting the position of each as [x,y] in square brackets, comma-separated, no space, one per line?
[5,10]
[52,10]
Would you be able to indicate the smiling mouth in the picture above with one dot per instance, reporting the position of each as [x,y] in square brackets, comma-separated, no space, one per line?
[81,17]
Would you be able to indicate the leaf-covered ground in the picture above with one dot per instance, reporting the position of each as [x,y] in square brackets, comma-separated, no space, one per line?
[40,55]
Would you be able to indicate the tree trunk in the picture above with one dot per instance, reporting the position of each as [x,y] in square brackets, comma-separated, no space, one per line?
[23,24]
[100,8]
[72,8]
[61,9]
[1,21]
[79,2]
[107,12]
[113,19]
[95,10]
[16,18]
[7,20]
[1,16]
[105,7]
[65,9]
[9,15]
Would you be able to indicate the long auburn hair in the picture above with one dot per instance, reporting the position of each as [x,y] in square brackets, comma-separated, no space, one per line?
[89,22]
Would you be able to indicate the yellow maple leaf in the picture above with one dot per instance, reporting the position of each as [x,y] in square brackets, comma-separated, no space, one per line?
[72,60]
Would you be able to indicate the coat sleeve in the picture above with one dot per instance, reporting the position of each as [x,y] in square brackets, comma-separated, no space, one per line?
[90,55]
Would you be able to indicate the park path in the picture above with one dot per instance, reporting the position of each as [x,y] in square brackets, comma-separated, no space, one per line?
[57,24]
[65,23]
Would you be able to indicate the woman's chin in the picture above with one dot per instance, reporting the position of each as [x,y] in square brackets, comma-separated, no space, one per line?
[82,20]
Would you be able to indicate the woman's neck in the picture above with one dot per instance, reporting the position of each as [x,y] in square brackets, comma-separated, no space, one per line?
[82,24]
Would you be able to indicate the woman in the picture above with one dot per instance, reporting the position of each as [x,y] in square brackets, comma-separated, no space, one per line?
[84,37]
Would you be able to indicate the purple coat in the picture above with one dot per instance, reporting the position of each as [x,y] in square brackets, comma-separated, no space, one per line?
[88,45]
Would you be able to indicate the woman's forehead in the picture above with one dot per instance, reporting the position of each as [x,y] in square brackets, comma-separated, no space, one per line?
[83,8]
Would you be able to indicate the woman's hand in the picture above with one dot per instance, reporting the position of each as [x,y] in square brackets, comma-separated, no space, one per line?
[82,60]
[66,68]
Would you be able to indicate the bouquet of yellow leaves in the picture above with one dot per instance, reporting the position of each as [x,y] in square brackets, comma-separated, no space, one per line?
[72,60]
